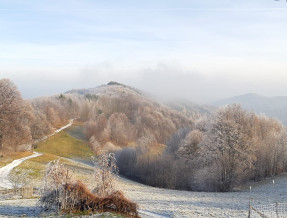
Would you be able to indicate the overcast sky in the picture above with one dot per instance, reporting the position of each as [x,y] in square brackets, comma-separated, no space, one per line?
[202,50]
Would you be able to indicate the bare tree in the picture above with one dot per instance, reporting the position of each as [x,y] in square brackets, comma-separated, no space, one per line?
[121,130]
[190,144]
[231,148]
[20,177]
[52,192]
[14,128]
[105,174]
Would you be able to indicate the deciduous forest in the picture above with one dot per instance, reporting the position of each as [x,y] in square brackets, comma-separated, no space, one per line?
[154,144]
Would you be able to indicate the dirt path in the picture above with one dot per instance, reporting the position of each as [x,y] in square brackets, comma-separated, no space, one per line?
[4,171]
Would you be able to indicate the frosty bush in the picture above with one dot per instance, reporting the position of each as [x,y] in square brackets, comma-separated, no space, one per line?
[66,195]
[55,177]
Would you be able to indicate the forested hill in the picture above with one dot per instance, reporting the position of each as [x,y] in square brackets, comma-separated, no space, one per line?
[119,115]
[270,106]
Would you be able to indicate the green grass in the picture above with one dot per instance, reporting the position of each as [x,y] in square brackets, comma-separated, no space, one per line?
[60,145]
[37,164]
[9,158]
[64,145]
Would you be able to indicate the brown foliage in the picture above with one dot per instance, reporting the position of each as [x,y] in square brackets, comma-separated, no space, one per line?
[121,130]
[97,128]
[131,116]
[79,198]
[14,118]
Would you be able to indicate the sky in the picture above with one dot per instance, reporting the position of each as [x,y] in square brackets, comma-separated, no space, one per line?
[201,50]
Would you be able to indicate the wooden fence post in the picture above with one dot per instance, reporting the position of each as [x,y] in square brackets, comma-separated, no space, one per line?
[277,212]
[249,212]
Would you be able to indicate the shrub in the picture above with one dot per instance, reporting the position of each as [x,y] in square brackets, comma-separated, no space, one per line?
[69,196]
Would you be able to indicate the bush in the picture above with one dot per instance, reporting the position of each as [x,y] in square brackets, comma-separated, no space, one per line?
[68,196]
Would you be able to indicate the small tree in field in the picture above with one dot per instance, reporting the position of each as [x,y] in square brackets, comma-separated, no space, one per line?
[19,178]
[104,175]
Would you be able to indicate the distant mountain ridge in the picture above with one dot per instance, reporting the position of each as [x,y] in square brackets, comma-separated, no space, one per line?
[191,109]
[183,106]
[270,106]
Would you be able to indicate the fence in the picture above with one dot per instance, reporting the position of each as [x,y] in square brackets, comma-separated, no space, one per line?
[275,210]
[26,192]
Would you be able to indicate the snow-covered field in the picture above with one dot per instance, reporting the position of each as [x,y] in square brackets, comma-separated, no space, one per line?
[19,207]
[170,203]
[204,204]
[156,202]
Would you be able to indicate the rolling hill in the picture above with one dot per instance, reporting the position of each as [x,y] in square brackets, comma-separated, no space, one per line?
[143,113]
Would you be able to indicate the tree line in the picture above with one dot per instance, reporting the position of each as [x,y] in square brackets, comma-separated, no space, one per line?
[24,121]
[216,154]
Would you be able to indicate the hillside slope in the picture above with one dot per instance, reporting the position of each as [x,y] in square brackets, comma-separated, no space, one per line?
[191,109]
[271,106]
[117,115]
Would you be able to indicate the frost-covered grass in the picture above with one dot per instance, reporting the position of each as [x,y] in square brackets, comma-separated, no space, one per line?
[204,204]
[37,166]
[31,208]
[195,204]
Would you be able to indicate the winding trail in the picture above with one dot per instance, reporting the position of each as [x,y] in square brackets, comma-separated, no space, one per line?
[4,171]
